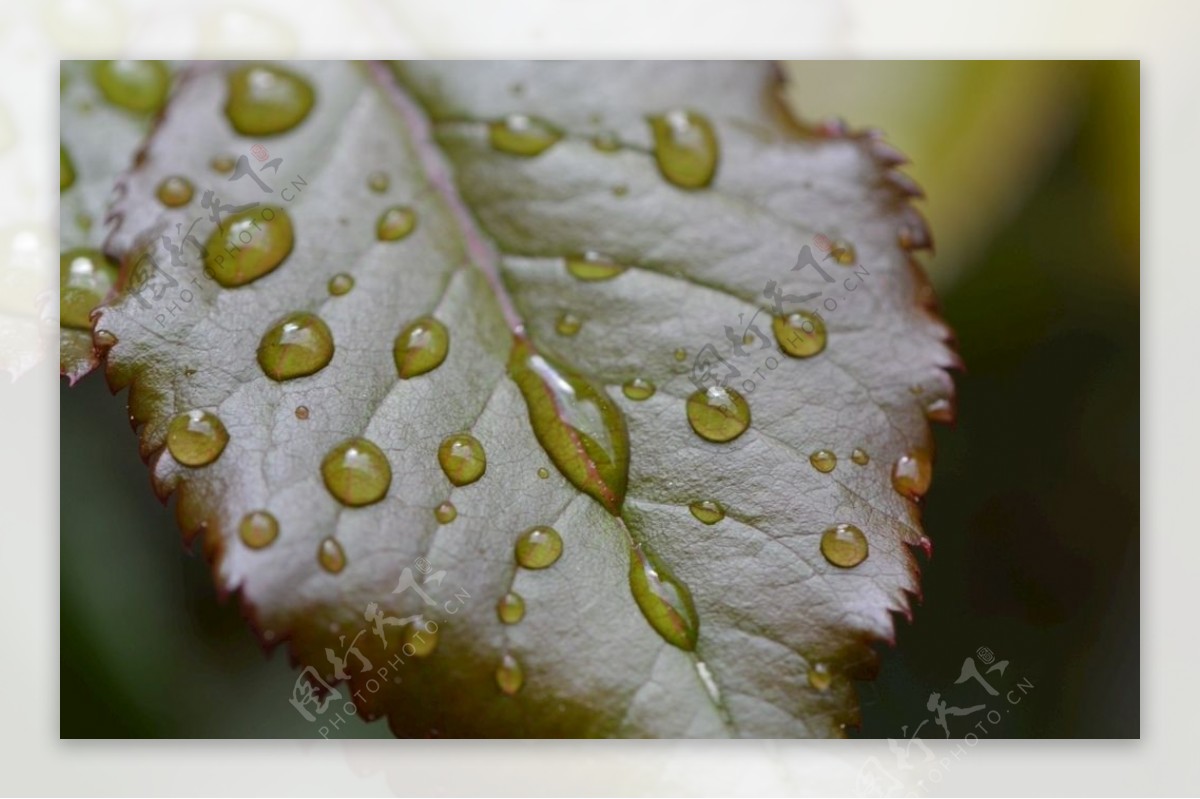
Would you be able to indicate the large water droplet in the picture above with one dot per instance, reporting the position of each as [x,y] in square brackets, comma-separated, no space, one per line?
[139,86]
[66,169]
[592,266]
[522,135]
[421,347]
[860,457]
[445,513]
[801,334]
[356,472]
[718,413]
[174,191]
[265,100]
[258,529]
[912,474]
[581,429]
[568,324]
[539,547]
[331,556]
[844,545]
[395,223]
[707,511]
[820,677]
[686,148]
[509,675]
[420,638]
[340,284]
[510,608]
[665,601]
[823,460]
[299,344]
[638,389]
[85,279]
[196,438]
[462,459]
[251,244]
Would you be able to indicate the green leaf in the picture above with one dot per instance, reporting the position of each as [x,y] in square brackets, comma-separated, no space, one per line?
[516,293]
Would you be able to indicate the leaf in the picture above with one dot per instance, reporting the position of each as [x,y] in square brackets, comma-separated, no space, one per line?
[535,274]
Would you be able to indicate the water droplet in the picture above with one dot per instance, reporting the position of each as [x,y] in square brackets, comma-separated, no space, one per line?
[544,473]
[844,545]
[801,334]
[66,169]
[356,472]
[86,277]
[105,339]
[681,355]
[462,459]
[395,223]
[511,608]
[718,414]
[265,100]
[196,438]
[340,284]
[592,266]
[539,547]
[606,142]
[509,675]
[378,182]
[823,460]
[581,429]
[421,639]
[251,244]
[421,347]
[258,529]
[331,556]
[638,389]
[522,135]
[139,86]
[860,457]
[686,148]
[445,513]
[568,324]
[174,191]
[299,344]
[940,410]
[665,601]
[302,412]
[223,164]
[820,677]
[912,474]
[843,252]
[707,511]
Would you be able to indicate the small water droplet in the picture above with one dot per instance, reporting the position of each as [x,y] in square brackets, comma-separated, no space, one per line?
[664,601]
[266,100]
[511,608]
[175,191]
[85,279]
[66,169]
[297,345]
[718,413]
[707,511]
[820,677]
[340,284]
[509,675]
[445,513]
[356,472]
[421,347]
[860,456]
[258,529]
[843,252]
[395,223]
[331,556]
[105,339]
[138,86]
[823,461]
[912,474]
[462,459]
[940,410]
[419,640]
[196,438]
[801,334]
[681,355]
[568,324]
[686,148]
[251,244]
[606,142]
[844,545]
[539,547]
[522,135]
[543,473]
[638,389]
[223,163]
[378,182]
[301,412]
[592,266]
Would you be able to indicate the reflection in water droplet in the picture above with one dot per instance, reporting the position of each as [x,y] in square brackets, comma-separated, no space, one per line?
[196,438]
[66,169]
[568,324]
[543,473]
[823,460]
[85,279]
[445,513]
[252,244]
[340,284]
[638,389]
[331,556]
[301,412]
[686,148]
[511,608]
[174,191]
[395,223]
[297,345]
[378,182]
[718,414]
[707,511]
[258,529]
[139,86]
[522,135]
[665,601]
[509,675]
[912,474]
[266,100]
[539,547]
[356,472]
[801,334]
[421,347]
[592,266]
[860,457]
[462,459]
[420,638]
[844,545]
[819,677]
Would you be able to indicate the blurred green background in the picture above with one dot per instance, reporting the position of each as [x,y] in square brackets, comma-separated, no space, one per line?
[1032,174]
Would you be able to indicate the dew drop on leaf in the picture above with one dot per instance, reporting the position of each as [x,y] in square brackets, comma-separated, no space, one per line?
[820,677]
[843,252]
[543,472]
[568,324]
[85,279]
[266,101]
[823,461]
[539,547]
[707,511]
[860,457]
[251,244]
[510,608]
[665,601]
[138,86]
[681,355]
[421,347]
[196,438]
[297,345]
[592,266]
[331,556]
[462,459]
[395,223]
[302,412]
[258,529]
[718,413]
[912,473]
[378,182]
[638,389]
[801,334]
[223,163]
[174,191]
[445,513]
[522,135]
[940,410]
[356,472]
[418,639]
[509,674]
[685,147]
[340,284]
[844,545]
